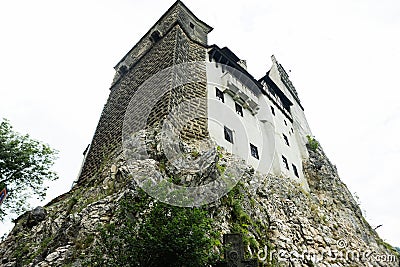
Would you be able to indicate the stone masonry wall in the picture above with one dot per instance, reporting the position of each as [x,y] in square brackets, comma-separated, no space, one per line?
[175,46]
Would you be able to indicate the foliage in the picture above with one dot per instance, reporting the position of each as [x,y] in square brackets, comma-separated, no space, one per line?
[253,231]
[25,164]
[389,247]
[166,236]
[242,222]
[312,143]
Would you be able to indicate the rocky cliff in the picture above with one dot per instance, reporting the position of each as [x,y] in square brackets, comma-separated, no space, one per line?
[281,224]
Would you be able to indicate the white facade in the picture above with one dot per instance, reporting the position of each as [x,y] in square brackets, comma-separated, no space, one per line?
[253,123]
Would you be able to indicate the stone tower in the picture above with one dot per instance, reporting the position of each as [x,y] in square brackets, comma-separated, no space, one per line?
[270,132]
[177,37]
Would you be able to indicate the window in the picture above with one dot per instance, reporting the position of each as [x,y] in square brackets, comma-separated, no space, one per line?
[295,170]
[123,69]
[273,110]
[155,36]
[292,130]
[219,94]
[228,134]
[285,162]
[286,139]
[191,25]
[254,151]
[285,122]
[239,109]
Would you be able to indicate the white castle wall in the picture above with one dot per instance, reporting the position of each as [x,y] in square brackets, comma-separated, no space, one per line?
[256,128]
[299,120]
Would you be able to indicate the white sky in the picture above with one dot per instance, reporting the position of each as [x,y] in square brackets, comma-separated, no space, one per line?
[57,58]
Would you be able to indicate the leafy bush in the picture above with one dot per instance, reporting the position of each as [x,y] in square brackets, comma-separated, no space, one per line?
[166,236]
[25,164]
[312,143]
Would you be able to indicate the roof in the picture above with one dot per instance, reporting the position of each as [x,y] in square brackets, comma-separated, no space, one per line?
[178,2]
[276,90]
[230,54]
[175,5]
[286,81]
[227,57]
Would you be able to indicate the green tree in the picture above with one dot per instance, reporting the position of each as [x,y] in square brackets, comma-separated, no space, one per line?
[167,236]
[25,164]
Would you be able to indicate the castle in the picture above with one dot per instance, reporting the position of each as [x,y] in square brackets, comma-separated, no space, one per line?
[260,120]
[174,92]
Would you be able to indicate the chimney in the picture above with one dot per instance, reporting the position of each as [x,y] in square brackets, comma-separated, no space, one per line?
[242,63]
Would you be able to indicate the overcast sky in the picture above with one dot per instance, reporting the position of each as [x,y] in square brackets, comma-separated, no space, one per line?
[57,59]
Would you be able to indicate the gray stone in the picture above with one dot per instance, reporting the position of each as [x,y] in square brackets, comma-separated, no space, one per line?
[52,256]
[301,231]
[35,216]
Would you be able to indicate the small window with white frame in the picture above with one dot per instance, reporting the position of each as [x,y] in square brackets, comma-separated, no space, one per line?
[254,151]
[295,170]
[228,134]
[286,139]
[285,162]
[220,95]
[239,109]
[273,110]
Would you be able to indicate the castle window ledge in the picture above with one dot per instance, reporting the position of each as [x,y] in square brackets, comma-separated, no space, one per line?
[236,93]
[243,96]
[239,100]
[233,89]
[252,106]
